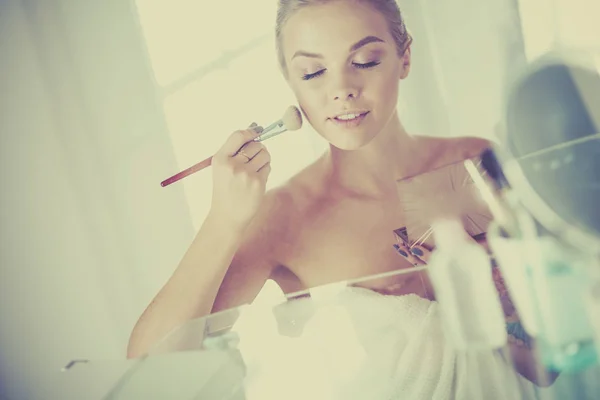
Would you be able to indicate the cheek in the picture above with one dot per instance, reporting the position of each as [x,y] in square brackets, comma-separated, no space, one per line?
[386,87]
[391,92]
[309,102]
[383,93]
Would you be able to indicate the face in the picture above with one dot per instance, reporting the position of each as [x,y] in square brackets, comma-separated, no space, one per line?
[344,69]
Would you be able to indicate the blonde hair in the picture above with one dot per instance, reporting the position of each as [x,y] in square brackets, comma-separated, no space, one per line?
[388,8]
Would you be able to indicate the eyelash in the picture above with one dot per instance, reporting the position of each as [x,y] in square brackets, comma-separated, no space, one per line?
[361,66]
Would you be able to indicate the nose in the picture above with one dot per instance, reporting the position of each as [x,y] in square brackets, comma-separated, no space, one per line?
[343,88]
[345,94]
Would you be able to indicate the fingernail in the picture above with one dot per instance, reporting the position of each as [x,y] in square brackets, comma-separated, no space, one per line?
[416,251]
[400,251]
[252,125]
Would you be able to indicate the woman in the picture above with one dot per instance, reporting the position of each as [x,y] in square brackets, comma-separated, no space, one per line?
[344,60]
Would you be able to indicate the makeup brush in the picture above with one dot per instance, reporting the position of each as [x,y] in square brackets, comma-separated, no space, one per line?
[291,121]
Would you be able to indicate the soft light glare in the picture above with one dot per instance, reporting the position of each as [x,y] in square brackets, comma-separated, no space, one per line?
[183,35]
[270,295]
[319,364]
[327,292]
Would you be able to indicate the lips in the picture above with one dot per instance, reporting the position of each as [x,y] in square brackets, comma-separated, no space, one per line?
[350,120]
[350,115]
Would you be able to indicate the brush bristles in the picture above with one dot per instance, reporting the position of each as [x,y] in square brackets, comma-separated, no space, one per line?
[292,119]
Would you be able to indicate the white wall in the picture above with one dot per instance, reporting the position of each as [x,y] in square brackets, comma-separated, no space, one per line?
[85,239]
[218,73]
[464,51]
[555,24]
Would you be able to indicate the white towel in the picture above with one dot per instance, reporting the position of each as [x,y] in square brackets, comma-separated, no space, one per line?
[360,344]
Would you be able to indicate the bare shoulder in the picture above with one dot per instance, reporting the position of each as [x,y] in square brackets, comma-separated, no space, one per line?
[451,150]
[472,146]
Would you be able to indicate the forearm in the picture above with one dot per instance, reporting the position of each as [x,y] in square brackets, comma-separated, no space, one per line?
[524,357]
[523,352]
[191,290]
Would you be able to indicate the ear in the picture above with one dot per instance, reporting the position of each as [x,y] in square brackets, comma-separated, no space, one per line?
[405,62]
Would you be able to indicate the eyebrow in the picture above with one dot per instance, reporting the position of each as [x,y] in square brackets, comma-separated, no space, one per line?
[362,42]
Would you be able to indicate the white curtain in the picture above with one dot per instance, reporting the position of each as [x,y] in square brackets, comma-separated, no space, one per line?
[87,233]
[464,52]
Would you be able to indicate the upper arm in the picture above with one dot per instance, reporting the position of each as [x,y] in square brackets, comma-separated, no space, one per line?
[474,146]
[255,258]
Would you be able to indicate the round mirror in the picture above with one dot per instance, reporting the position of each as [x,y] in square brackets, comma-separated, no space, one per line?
[552,144]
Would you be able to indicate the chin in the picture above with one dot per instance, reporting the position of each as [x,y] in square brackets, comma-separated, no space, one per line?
[348,140]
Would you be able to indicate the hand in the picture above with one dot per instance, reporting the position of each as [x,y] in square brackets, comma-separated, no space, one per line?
[421,254]
[521,345]
[240,170]
[415,254]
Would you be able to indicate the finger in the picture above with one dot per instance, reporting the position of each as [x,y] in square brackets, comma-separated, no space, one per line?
[259,160]
[237,139]
[407,255]
[251,149]
[421,252]
[405,249]
[255,127]
[264,171]
[482,241]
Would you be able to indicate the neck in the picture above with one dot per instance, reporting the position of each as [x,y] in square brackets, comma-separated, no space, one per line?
[373,170]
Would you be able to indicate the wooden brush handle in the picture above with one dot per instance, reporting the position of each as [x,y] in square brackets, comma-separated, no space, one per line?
[194,168]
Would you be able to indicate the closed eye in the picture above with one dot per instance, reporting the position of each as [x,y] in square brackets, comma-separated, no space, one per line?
[371,64]
[307,77]
[367,65]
